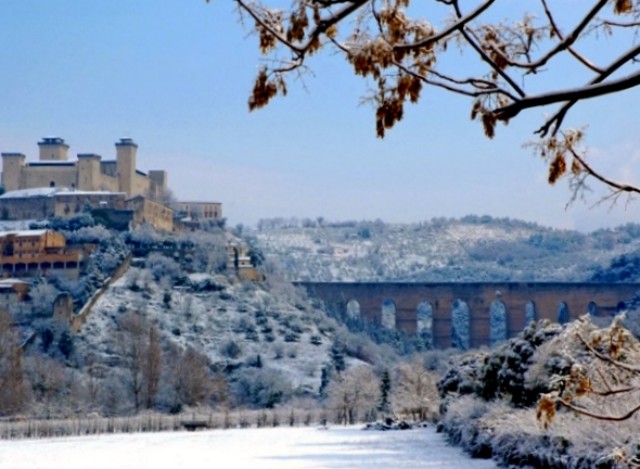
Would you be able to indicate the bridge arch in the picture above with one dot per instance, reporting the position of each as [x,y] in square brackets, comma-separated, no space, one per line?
[460,324]
[424,322]
[563,313]
[353,309]
[388,314]
[497,322]
[530,313]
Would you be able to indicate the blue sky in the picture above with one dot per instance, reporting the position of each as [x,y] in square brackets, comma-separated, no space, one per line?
[175,76]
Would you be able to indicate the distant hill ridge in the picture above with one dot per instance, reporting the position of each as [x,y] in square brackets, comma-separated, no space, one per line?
[472,248]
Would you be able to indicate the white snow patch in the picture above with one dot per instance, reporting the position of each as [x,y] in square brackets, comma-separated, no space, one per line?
[344,447]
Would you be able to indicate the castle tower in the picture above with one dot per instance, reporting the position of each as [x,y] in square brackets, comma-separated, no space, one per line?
[88,172]
[53,149]
[126,151]
[158,186]
[12,165]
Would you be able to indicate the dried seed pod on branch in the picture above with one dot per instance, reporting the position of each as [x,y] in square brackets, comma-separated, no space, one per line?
[504,67]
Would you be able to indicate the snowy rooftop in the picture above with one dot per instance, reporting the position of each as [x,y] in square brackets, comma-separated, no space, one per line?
[23,233]
[9,282]
[35,192]
[50,192]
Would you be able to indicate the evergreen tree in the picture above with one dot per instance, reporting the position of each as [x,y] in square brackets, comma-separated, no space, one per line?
[337,357]
[385,389]
[325,377]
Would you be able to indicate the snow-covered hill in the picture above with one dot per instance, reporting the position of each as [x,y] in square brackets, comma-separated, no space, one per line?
[469,249]
[231,326]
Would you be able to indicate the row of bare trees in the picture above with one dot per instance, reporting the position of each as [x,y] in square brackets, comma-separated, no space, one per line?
[149,374]
[185,374]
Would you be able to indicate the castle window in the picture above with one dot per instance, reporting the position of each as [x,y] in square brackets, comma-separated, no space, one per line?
[52,184]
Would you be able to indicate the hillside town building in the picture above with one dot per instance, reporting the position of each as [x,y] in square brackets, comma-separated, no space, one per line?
[149,211]
[38,252]
[199,210]
[48,202]
[239,261]
[12,292]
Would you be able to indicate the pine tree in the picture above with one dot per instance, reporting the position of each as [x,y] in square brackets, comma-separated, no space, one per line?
[325,377]
[385,389]
[337,357]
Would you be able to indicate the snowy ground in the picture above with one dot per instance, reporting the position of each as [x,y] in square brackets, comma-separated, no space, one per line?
[337,447]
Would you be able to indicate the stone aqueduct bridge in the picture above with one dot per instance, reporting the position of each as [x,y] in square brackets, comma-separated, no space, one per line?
[544,298]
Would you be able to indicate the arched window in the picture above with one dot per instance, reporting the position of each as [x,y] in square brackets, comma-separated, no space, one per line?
[460,319]
[388,317]
[497,322]
[52,184]
[592,308]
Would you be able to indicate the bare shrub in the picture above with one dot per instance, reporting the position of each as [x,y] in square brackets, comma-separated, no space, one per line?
[414,391]
[13,390]
[353,395]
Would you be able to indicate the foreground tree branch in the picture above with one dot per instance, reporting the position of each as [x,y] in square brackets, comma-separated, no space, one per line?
[602,382]
[594,415]
[495,64]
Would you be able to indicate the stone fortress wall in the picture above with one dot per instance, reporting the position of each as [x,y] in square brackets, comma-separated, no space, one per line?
[54,186]
[88,173]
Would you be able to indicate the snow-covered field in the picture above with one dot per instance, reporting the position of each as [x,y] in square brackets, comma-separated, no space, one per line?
[336,447]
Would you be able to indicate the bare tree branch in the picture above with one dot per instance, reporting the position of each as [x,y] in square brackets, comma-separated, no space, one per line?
[606,358]
[585,92]
[457,26]
[558,33]
[611,418]
[619,187]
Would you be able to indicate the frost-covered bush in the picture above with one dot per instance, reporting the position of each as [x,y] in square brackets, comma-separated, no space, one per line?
[438,361]
[65,224]
[260,387]
[583,380]
[143,238]
[97,234]
[42,295]
[501,372]
[463,375]
[162,266]
[514,439]
[208,252]
[230,349]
